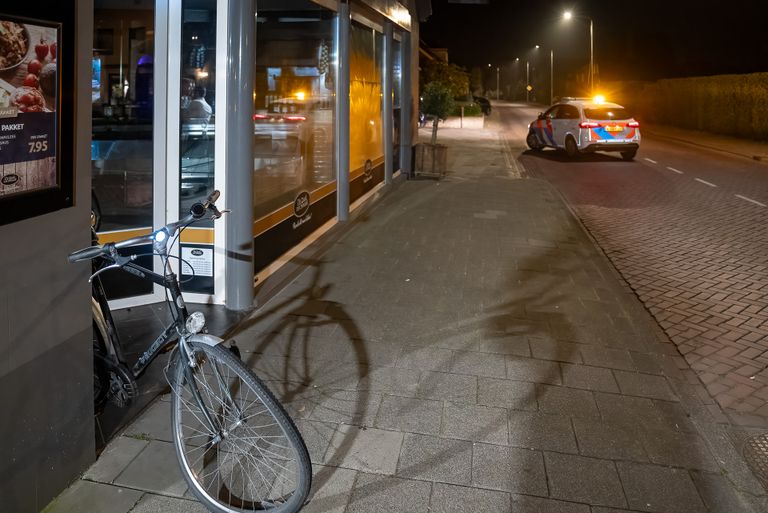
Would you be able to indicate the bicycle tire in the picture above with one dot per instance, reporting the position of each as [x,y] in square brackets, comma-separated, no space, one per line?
[233,474]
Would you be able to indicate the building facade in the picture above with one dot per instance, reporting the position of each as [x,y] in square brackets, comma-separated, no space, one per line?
[296,110]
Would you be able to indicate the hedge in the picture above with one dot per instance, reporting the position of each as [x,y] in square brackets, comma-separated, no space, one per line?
[725,104]
[471,110]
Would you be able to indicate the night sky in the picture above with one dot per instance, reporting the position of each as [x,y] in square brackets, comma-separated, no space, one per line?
[634,39]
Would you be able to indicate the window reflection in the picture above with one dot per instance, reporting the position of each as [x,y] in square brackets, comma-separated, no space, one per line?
[397,85]
[365,96]
[122,96]
[293,102]
[197,102]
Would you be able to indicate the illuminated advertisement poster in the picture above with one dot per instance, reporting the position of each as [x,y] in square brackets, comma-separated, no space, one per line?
[29,91]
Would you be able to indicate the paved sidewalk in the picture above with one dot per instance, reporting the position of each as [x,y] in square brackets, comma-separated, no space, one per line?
[464,347]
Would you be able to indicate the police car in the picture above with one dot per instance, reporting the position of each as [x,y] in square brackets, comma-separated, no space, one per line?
[581,125]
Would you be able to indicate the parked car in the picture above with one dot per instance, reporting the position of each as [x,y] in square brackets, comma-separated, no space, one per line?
[485,105]
[580,125]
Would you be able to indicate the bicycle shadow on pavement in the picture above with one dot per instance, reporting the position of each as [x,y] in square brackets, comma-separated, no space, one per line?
[288,345]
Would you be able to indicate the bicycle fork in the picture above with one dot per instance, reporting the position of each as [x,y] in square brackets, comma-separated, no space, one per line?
[218,432]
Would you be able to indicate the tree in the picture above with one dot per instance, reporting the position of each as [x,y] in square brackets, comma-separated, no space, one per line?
[454,78]
[438,103]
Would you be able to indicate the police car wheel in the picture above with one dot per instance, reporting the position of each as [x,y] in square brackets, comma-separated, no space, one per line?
[532,141]
[628,155]
[570,148]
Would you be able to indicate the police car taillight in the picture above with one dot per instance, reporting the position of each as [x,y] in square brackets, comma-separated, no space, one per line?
[633,124]
[588,124]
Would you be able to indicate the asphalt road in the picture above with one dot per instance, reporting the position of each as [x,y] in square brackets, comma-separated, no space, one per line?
[687,227]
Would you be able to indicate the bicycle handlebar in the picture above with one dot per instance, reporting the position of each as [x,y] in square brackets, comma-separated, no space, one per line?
[87,253]
[157,238]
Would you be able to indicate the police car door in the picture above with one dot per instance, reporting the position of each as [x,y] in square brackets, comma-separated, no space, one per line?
[566,122]
[545,127]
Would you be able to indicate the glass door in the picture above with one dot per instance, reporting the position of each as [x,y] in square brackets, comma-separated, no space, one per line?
[124,114]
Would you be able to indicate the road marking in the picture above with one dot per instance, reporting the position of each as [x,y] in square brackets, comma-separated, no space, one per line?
[651,161]
[675,170]
[751,200]
[705,182]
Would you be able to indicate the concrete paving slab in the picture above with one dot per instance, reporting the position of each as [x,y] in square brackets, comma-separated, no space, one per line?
[644,385]
[88,496]
[589,480]
[448,387]
[527,504]
[435,459]
[609,440]
[374,494]
[597,379]
[347,407]
[506,393]
[478,364]
[156,503]
[331,490]
[509,469]
[317,437]
[659,489]
[410,414]
[530,369]
[155,470]
[568,401]
[155,423]
[543,431]
[457,499]
[114,458]
[368,450]
[475,423]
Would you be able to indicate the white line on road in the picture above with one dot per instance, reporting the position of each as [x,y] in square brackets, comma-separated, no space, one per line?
[751,200]
[705,182]
[675,170]
[651,161]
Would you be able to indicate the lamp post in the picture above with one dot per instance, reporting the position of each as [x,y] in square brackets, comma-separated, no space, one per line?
[527,81]
[567,15]
[551,76]
[497,82]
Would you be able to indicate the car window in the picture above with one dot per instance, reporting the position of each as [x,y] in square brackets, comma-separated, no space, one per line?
[568,112]
[607,113]
[552,112]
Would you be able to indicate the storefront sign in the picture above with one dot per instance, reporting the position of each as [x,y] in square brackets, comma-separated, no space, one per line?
[368,172]
[301,209]
[30,117]
[197,261]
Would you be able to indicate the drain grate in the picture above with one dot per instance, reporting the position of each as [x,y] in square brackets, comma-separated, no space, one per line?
[756,453]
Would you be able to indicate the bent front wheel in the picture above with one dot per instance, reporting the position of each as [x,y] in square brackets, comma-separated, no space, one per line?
[237,447]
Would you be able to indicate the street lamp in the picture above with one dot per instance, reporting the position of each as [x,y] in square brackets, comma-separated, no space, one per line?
[567,16]
[528,73]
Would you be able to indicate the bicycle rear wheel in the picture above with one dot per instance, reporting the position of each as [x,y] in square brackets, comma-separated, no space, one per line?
[254,458]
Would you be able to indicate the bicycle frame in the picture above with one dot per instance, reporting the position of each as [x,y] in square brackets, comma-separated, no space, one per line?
[174,329]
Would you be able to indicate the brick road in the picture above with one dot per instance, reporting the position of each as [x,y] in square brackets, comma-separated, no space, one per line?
[695,253]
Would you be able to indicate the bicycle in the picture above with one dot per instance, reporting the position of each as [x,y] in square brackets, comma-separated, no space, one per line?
[238,449]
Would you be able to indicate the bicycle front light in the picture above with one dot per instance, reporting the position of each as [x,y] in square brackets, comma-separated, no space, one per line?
[195,322]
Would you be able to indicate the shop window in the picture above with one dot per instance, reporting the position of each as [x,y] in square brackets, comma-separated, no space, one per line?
[122,100]
[366,148]
[197,103]
[122,104]
[293,112]
[197,117]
